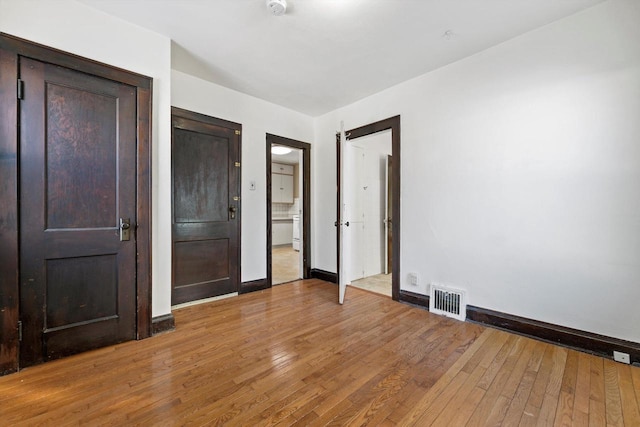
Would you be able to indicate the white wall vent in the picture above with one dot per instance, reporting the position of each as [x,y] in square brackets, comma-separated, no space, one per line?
[448,302]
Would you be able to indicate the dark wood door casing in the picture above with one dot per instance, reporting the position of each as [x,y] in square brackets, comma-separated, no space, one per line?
[306,202]
[206,206]
[392,123]
[12,52]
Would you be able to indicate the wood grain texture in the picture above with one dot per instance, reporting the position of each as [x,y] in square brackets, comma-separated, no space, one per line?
[162,324]
[588,342]
[253,285]
[143,212]
[613,402]
[596,393]
[77,176]
[628,395]
[291,355]
[11,50]
[206,206]
[9,288]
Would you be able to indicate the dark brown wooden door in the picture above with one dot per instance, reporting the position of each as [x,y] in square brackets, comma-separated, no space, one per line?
[77,179]
[206,207]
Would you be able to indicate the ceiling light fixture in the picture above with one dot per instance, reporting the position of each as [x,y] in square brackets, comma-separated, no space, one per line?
[277,7]
[280,150]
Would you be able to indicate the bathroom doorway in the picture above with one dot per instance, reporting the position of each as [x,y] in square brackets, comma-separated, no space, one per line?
[288,210]
[370,216]
[346,204]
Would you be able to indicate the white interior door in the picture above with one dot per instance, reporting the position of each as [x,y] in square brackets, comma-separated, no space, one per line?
[386,213]
[355,171]
[344,232]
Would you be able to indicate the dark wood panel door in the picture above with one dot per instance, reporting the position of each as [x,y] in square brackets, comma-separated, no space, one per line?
[206,208]
[77,180]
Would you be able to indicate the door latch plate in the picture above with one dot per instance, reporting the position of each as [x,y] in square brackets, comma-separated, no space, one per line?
[125,228]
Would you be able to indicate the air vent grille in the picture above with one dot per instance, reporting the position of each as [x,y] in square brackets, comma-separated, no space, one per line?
[448,302]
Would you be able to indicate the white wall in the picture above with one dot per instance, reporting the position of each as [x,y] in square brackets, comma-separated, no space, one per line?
[520,173]
[258,118]
[73,27]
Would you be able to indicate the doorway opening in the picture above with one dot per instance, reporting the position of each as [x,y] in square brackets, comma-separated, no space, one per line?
[352,204]
[288,210]
[369,163]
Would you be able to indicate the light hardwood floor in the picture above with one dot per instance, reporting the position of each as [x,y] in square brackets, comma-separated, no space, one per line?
[292,356]
[379,283]
[285,264]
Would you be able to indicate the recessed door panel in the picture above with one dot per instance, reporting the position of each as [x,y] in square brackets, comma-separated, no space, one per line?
[81,290]
[201,261]
[201,177]
[82,149]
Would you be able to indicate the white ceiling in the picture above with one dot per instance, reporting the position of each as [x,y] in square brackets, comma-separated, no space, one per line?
[324,54]
[291,158]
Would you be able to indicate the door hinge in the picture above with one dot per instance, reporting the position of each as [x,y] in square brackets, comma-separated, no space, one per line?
[237,132]
[237,164]
[236,198]
[20,330]
[20,89]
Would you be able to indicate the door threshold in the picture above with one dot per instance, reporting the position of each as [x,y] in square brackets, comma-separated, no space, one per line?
[203,301]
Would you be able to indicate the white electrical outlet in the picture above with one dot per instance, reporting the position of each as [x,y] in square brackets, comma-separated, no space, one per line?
[413,279]
[621,357]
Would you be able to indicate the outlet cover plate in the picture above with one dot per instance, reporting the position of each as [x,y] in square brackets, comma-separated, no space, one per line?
[413,279]
[621,357]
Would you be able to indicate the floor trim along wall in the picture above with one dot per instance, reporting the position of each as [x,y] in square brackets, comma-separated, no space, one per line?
[573,338]
[580,340]
[327,276]
[414,298]
[164,323]
[253,285]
